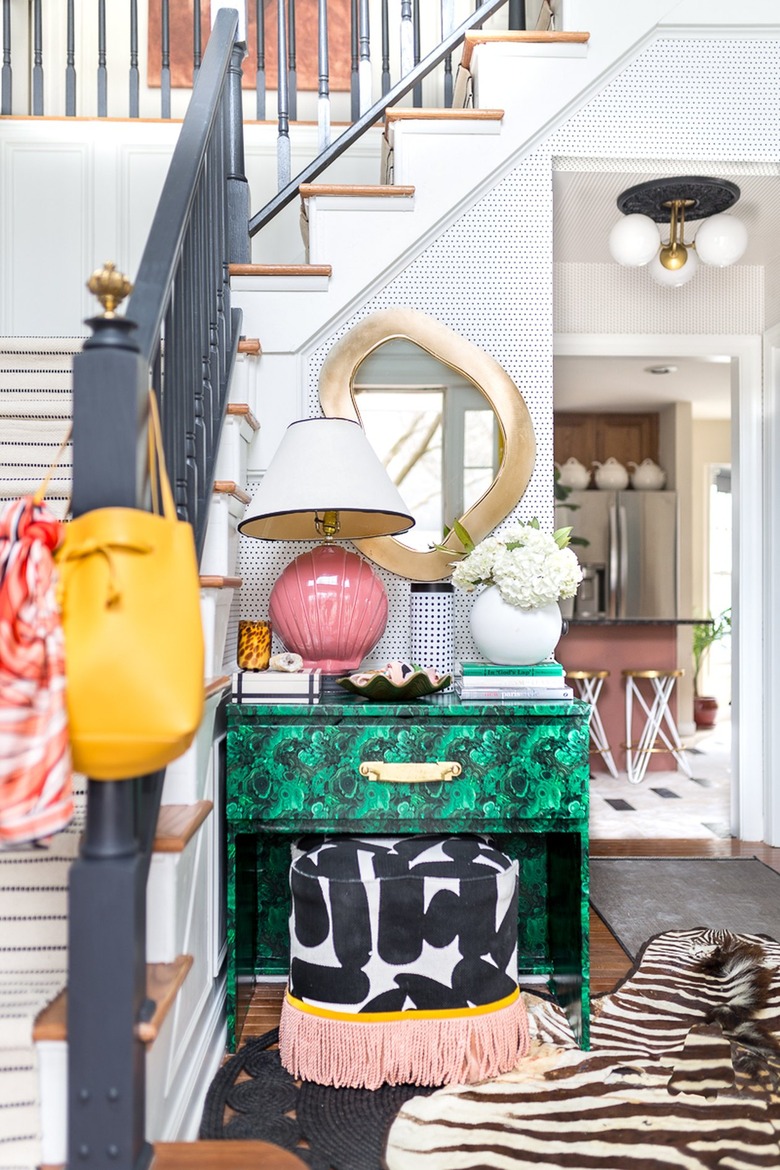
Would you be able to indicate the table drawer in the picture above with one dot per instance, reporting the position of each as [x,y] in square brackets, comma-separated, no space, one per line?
[292,771]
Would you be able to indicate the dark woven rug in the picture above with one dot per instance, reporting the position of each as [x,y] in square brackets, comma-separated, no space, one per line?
[252,1098]
[639,897]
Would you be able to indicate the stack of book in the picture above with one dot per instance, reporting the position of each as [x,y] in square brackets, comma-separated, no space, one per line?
[487,680]
[276,686]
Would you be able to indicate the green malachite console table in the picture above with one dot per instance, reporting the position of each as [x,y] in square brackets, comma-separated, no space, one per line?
[518,771]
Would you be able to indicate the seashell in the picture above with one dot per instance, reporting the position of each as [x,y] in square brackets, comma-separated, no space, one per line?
[289,662]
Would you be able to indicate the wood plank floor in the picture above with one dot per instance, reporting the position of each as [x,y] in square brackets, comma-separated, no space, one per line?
[609,962]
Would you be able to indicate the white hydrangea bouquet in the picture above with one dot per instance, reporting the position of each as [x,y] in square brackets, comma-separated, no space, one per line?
[530,568]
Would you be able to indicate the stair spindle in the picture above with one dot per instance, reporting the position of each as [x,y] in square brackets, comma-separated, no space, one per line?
[407,38]
[165,56]
[260,71]
[364,67]
[37,76]
[417,99]
[6,94]
[283,138]
[70,66]
[354,90]
[196,42]
[292,72]
[447,25]
[323,92]
[102,75]
[134,109]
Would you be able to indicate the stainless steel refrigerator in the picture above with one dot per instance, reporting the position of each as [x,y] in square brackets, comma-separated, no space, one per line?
[631,559]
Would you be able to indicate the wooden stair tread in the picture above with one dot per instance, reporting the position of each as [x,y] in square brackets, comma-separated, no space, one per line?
[163,981]
[228,487]
[280,269]
[178,823]
[249,345]
[518,37]
[421,114]
[232,1155]
[310,190]
[211,581]
[242,410]
[216,684]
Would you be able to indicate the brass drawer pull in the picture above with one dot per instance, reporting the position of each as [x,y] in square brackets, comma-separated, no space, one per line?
[410,773]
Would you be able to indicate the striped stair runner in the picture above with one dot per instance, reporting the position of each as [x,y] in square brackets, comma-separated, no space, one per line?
[35,411]
[33,971]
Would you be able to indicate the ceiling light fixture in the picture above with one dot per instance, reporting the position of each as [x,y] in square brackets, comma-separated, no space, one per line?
[637,240]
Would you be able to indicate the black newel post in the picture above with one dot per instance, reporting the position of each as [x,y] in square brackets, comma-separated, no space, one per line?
[107,897]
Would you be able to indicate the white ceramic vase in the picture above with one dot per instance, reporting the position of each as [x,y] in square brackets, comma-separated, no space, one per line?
[512,636]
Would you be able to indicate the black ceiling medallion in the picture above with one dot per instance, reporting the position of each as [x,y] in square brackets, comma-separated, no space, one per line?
[703,197]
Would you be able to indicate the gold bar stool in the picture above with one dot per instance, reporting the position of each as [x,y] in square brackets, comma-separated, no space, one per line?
[589,684]
[657,714]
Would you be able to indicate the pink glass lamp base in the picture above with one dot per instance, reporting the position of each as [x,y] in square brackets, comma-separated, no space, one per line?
[330,607]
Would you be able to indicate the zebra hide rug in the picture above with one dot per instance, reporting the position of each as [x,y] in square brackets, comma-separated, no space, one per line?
[683,1072]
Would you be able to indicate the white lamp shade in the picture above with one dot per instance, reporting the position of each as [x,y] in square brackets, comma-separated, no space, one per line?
[721,240]
[326,465]
[676,277]
[634,240]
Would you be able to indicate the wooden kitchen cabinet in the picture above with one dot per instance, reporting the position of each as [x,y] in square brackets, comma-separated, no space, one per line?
[590,436]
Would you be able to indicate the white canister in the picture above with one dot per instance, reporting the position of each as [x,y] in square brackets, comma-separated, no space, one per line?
[432,641]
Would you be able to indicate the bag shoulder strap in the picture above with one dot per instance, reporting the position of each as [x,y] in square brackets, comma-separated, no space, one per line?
[158,473]
[39,495]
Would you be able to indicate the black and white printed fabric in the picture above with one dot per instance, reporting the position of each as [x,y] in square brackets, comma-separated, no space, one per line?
[396,924]
[403,962]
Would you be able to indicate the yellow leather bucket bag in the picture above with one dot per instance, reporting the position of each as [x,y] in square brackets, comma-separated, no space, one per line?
[134,650]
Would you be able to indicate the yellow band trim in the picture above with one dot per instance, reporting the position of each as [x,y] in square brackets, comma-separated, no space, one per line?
[392,1017]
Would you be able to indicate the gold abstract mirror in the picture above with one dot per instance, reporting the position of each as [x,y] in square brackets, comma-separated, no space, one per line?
[448,422]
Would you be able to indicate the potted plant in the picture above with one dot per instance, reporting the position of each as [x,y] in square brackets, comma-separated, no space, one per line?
[705,634]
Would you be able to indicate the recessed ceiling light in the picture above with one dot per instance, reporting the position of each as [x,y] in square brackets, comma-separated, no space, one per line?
[661,369]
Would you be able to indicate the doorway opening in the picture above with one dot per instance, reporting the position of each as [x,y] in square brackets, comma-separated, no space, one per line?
[673,805]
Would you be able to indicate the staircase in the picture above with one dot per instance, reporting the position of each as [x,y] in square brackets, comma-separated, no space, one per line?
[434,164]
[185,914]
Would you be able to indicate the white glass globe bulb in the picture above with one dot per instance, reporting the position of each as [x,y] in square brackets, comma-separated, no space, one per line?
[674,278]
[634,240]
[721,240]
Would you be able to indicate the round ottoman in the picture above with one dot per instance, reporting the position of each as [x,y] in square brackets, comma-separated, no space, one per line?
[403,962]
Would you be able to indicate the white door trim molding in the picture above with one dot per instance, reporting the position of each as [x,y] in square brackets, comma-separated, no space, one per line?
[771,688]
[751,673]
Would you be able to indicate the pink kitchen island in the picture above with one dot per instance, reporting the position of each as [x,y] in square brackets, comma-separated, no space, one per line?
[617,644]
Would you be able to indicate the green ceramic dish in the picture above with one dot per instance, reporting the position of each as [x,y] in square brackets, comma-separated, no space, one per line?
[381,689]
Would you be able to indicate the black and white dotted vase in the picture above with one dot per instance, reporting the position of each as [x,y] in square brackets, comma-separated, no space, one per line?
[432,642]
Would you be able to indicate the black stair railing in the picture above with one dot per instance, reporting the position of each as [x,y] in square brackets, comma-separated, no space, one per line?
[410,82]
[383,37]
[181,294]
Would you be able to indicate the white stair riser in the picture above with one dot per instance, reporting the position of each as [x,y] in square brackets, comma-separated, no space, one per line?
[330,217]
[234,443]
[191,777]
[174,880]
[220,549]
[52,1058]
[244,383]
[215,615]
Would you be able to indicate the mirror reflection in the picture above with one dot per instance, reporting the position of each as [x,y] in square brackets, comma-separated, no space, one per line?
[434,431]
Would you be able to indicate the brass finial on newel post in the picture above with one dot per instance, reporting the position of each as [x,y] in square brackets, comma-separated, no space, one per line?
[110,287]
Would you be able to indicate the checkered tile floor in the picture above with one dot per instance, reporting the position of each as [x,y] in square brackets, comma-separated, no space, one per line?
[669,804]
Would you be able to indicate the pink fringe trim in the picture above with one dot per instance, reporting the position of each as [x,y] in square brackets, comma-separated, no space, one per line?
[460,1050]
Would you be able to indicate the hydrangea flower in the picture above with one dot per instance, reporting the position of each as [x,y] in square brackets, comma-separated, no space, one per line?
[530,568]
